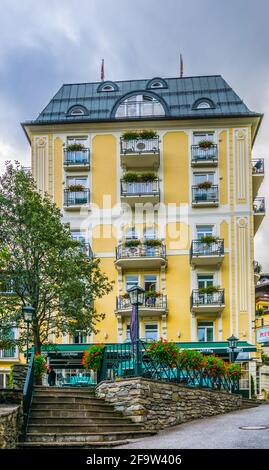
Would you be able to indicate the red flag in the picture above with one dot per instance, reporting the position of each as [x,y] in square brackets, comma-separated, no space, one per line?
[181,66]
[102,70]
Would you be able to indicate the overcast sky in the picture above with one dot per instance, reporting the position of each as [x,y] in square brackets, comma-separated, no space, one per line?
[46,43]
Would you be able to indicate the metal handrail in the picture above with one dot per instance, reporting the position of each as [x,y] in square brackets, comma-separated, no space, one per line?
[140,146]
[138,188]
[159,302]
[77,157]
[258,166]
[28,390]
[204,154]
[200,248]
[205,194]
[73,198]
[141,251]
[210,298]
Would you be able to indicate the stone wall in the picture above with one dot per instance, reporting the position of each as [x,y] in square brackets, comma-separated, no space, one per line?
[19,375]
[10,426]
[157,404]
[10,396]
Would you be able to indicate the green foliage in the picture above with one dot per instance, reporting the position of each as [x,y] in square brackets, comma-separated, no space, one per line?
[153,242]
[191,359]
[259,312]
[151,294]
[208,239]
[76,187]
[75,147]
[49,270]
[135,135]
[10,382]
[131,177]
[234,371]
[215,366]
[92,358]
[40,367]
[131,243]
[265,359]
[205,144]
[205,185]
[252,387]
[208,290]
[164,351]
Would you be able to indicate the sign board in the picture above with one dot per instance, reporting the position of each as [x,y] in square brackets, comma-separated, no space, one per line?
[263,335]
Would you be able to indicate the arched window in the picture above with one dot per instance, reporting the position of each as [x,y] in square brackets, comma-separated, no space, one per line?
[107,86]
[140,106]
[77,110]
[203,103]
[156,83]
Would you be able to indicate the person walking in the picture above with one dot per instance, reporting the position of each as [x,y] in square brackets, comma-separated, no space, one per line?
[51,376]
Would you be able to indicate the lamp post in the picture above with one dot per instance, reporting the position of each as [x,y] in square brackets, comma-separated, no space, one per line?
[28,314]
[232,345]
[137,297]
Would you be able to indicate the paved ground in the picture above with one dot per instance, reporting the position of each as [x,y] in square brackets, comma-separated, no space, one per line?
[218,432]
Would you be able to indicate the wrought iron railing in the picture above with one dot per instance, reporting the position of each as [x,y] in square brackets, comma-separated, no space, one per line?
[121,360]
[210,298]
[8,353]
[199,248]
[140,188]
[259,205]
[28,391]
[154,302]
[139,146]
[76,198]
[205,194]
[199,154]
[77,157]
[140,251]
[258,166]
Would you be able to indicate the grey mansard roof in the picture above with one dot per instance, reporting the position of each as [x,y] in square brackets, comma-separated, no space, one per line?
[178,97]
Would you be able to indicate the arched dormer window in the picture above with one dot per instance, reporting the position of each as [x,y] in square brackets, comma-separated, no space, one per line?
[78,110]
[203,103]
[140,105]
[156,83]
[107,87]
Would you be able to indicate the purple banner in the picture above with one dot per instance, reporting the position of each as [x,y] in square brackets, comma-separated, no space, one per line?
[133,324]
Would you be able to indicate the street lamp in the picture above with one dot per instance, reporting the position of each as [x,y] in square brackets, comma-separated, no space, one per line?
[232,345]
[28,315]
[137,297]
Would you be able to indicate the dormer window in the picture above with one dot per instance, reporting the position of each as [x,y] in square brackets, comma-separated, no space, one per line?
[107,87]
[203,103]
[77,110]
[156,83]
[139,106]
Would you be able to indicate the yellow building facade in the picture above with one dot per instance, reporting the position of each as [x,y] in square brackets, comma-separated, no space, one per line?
[199,204]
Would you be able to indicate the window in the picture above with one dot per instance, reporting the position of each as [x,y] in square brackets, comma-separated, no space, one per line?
[128,334]
[4,380]
[107,86]
[11,352]
[204,231]
[198,136]
[131,281]
[151,331]
[203,103]
[202,177]
[157,85]
[131,234]
[80,338]
[205,280]
[77,140]
[79,236]
[150,233]
[156,82]
[77,180]
[205,331]
[77,110]
[138,106]
[150,282]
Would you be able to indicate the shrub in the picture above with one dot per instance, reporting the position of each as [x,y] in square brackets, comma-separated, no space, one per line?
[151,294]
[135,135]
[75,147]
[215,366]
[147,134]
[147,177]
[234,371]
[205,185]
[132,243]
[40,367]
[208,290]
[92,358]
[164,351]
[208,239]
[205,144]
[130,135]
[138,177]
[153,242]
[76,187]
[191,359]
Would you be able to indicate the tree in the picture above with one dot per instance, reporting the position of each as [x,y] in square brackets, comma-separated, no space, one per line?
[44,266]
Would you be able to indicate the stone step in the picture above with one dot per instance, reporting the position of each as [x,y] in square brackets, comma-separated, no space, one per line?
[66,398]
[89,437]
[61,391]
[67,413]
[90,388]
[72,445]
[71,406]
[79,421]
[80,428]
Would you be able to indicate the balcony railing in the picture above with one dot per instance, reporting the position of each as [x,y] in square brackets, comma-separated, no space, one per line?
[200,248]
[203,195]
[199,154]
[159,302]
[8,353]
[139,146]
[258,166]
[210,299]
[86,248]
[259,205]
[76,198]
[140,251]
[150,188]
[77,157]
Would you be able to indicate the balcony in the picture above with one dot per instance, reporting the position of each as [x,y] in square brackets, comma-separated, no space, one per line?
[207,303]
[204,253]
[86,249]
[140,153]
[77,159]
[74,200]
[259,212]
[140,192]
[140,256]
[205,197]
[9,354]
[153,306]
[257,175]
[201,157]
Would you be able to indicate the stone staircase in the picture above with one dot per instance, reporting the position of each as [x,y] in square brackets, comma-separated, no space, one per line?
[75,417]
[250,403]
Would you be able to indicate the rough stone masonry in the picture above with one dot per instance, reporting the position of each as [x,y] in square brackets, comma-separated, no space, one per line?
[158,405]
